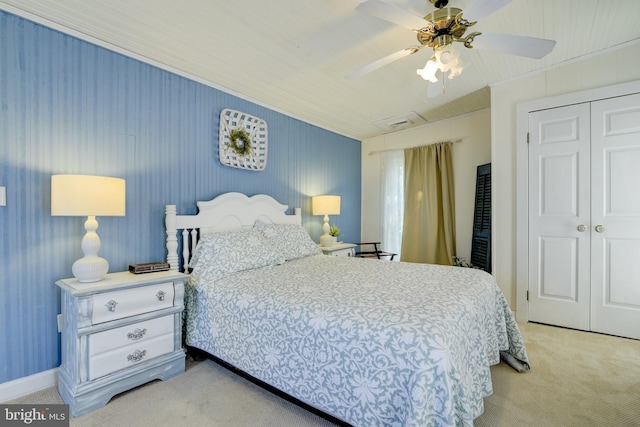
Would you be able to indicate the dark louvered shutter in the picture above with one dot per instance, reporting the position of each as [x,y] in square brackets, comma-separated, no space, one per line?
[481,241]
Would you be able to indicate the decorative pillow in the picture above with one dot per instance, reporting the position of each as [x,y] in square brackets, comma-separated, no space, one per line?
[222,253]
[290,240]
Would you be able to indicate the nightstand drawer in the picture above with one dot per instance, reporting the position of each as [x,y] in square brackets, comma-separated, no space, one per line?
[130,302]
[125,335]
[124,357]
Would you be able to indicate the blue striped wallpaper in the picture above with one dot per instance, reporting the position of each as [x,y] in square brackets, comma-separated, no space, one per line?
[68,106]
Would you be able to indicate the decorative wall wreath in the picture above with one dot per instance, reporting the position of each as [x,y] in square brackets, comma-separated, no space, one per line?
[240,142]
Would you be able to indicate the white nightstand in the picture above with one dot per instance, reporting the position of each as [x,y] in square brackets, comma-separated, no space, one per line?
[119,333]
[339,249]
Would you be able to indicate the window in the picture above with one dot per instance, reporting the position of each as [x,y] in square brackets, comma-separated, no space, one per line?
[392,198]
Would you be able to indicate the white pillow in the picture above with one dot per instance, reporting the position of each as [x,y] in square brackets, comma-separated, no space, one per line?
[290,240]
[222,253]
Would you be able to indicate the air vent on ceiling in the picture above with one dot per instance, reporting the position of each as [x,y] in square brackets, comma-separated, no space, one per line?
[400,123]
[403,121]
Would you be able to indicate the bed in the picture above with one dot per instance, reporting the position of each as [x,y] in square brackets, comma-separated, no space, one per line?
[368,342]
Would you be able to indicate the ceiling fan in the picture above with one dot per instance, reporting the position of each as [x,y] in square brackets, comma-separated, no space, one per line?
[441,28]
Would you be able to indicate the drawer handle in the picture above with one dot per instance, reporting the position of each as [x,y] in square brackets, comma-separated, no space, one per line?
[137,334]
[137,356]
[111,305]
[160,295]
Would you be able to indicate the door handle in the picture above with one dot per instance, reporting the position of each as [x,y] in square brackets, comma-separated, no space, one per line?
[582,228]
[599,228]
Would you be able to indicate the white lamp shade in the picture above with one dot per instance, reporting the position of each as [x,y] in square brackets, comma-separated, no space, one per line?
[90,196]
[325,205]
[84,195]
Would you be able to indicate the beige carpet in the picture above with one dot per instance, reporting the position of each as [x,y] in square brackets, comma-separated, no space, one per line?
[577,379]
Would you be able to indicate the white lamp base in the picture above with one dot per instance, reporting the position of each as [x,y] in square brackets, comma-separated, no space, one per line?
[327,240]
[90,268]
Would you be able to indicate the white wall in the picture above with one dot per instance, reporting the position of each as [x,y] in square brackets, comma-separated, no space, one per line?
[618,66]
[475,149]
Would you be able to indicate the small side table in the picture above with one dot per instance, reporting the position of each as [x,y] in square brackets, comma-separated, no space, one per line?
[339,249]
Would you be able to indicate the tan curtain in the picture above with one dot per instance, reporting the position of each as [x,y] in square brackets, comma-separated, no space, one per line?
[429,232]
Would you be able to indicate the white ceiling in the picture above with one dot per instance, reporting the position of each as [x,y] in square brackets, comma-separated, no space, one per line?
[293,55]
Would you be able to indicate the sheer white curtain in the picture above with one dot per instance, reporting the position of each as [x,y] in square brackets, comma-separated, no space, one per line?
[392,196]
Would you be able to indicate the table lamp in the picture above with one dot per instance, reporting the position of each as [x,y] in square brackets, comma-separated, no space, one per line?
[326,205]
[90,196]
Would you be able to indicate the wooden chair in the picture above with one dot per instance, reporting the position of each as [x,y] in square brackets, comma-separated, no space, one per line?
[375,253]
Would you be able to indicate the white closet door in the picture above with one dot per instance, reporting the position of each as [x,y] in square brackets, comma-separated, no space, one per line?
[615,217]
[559,204]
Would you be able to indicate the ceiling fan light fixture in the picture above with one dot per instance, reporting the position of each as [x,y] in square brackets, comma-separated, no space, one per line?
[446,57]
[429,71]
[451,62]
[446,60]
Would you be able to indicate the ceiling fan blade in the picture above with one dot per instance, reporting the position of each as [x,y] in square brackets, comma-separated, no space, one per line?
[383,61]
[481,8]
[531,47]
[392,13]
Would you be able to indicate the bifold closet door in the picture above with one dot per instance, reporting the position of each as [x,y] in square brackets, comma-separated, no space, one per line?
[559,210]
[615,216]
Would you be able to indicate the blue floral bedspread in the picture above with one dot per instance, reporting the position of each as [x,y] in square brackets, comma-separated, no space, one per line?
[370,342]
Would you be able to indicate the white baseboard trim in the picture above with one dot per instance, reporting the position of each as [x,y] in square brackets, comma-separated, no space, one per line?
[26,385]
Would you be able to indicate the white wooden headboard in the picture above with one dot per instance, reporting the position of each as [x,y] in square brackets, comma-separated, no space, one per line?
[228,211]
